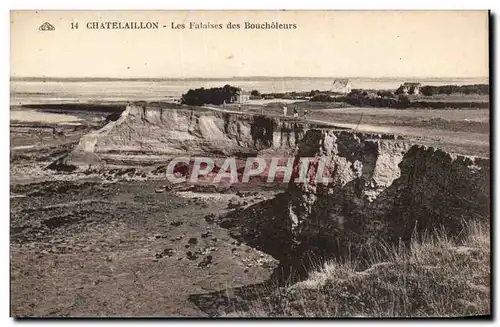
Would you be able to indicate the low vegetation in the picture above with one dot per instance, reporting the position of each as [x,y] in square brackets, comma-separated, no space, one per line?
[386,99]
[433,276]
[214,95]
[451,89]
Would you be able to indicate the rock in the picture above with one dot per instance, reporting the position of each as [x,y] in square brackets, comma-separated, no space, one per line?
[210,218]
[193,240]
[205,235]
[379,188]
[159,190]
[206,261]
[191,256]
[168,252]
[176,223]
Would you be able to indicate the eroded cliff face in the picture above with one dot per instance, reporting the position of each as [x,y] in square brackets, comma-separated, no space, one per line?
[147,134]
[382,189]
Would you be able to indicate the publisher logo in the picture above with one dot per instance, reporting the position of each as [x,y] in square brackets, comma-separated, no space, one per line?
[46,27]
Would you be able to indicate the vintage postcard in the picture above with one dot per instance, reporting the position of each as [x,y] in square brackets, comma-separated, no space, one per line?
[250,164]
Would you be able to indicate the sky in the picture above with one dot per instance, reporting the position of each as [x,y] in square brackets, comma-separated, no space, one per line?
[324,44]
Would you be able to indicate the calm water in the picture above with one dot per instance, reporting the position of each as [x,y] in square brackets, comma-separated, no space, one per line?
[23,92]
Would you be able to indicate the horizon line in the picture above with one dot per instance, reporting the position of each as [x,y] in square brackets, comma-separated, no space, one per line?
[234,77]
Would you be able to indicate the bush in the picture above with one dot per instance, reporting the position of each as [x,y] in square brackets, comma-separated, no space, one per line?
[322,98]
[255,93]
[385,93]
[450,89]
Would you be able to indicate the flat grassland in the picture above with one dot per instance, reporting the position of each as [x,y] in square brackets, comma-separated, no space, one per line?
[465,131]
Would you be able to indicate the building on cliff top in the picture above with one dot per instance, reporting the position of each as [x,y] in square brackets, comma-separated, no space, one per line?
[242,96]
[341,86]
[410,88]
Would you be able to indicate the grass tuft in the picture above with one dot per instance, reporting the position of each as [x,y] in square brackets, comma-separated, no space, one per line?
[432,276]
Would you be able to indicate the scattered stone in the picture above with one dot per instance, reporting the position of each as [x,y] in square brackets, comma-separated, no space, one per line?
[210,218]
[206,250]
[205,235]
[155,260]
[232,205]
[168,252]
[193,240]
[191,256]
[206,261]
[214,239]
[246,270]
[176,223]
[159,190]
[157,236]
[159,256]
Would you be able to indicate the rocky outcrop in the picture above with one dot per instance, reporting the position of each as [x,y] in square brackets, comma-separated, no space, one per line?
[382,189]
[148,134]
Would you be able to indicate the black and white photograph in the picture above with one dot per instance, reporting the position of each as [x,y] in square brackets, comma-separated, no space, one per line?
[250,164]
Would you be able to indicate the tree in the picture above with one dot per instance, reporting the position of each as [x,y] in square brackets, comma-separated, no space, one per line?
[215,95]
[385,93]
[400,90]
[255,93]
[427,90]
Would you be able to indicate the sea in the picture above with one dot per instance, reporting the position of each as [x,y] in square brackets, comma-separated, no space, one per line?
[53,90]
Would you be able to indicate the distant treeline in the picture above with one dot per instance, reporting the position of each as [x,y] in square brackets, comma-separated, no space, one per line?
[214,95]
[450,89]
[300,95]
[388,100]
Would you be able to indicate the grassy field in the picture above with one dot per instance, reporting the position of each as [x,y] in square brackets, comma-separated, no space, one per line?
[451,97]
[434,276]
[464,131]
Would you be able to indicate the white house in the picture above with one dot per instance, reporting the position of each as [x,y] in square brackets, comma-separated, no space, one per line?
[243,96]
[410,88]
[341,86]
